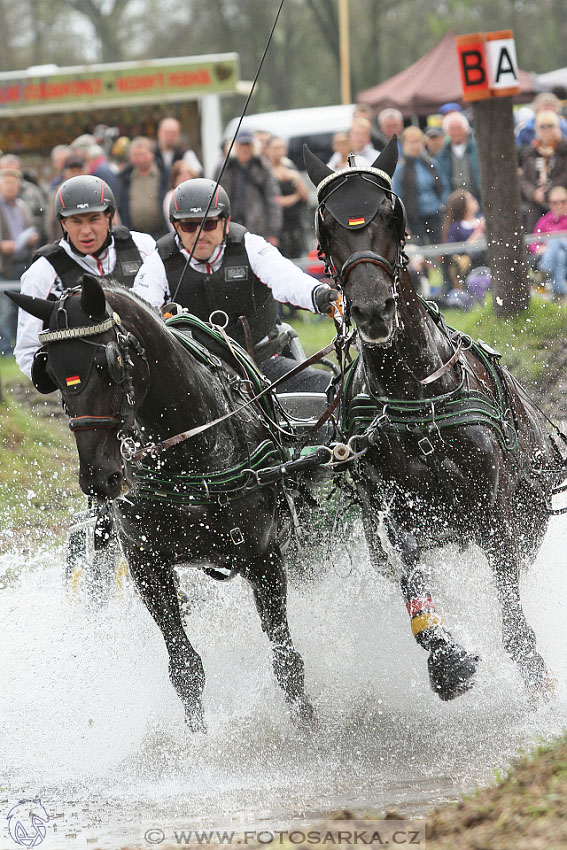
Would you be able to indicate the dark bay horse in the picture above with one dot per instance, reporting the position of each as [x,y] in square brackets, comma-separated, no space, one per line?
[454,449]
[127,380]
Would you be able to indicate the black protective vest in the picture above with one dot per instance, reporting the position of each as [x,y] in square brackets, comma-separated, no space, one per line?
[128,260]
[234,288]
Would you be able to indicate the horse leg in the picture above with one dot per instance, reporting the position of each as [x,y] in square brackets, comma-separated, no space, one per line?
[518,637]
[451,668]
[155,582]
[267,576]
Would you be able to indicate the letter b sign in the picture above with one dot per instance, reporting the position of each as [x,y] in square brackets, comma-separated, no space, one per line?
[488,64]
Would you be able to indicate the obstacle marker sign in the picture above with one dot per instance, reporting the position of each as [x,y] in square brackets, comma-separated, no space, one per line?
[488,64]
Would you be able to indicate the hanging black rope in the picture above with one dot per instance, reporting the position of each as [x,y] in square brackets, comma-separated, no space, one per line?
[250,93]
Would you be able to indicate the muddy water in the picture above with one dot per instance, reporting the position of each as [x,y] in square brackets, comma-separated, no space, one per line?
[90,725]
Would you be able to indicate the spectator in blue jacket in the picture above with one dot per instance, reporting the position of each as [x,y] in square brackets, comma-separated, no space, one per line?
[418,183]
[457,161]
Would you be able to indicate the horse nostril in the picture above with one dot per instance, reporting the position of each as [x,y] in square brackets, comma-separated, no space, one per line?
[114,480]
[389,307]
[358,314]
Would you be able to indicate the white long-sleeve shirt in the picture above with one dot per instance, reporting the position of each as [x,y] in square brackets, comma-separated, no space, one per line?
[287,282]
[41,279]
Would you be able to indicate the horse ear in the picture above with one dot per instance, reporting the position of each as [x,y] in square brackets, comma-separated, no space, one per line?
[316,169]
[93,302]
[388,158]
[38,307]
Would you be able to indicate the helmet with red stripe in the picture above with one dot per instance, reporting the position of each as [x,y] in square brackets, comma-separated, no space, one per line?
[191,199]
[84,193]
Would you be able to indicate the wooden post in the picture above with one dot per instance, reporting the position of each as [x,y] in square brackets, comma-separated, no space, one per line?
[497,154]
[344,51]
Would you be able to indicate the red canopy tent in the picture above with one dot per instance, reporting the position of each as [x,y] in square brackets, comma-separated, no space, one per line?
[431,81]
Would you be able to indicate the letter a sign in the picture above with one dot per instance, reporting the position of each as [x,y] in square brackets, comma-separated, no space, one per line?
[488,65]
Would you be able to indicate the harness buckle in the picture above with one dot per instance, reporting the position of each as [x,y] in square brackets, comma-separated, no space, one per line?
[236,536]
[425,446]
[127,448]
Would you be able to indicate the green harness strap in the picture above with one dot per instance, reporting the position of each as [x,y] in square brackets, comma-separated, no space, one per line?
[226,485]
[198,490]
[423,417]
[185,325]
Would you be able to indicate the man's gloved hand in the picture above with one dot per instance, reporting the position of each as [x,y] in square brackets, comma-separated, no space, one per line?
[324,298]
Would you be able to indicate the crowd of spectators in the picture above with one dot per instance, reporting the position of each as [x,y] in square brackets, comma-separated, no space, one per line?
[437,179]
[139,172]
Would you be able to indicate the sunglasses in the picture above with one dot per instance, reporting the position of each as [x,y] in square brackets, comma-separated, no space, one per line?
[546,126]
[193,226]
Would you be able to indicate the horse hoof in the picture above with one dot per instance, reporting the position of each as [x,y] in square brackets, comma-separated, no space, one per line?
[451,670]
[303,715]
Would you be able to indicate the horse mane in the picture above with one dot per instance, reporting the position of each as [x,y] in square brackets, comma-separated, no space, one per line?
[113,286]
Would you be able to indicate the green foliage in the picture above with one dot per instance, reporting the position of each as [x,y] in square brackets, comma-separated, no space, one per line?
[524,341]
[38,471]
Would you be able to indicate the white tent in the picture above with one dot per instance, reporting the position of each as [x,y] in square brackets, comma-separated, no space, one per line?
[545,82]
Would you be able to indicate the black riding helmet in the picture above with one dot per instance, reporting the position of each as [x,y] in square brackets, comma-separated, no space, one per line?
[191,199]
[84,193]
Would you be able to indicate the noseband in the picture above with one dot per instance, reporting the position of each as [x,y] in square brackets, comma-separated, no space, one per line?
[366,257]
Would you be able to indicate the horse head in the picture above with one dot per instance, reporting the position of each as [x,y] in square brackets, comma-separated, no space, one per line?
[360,226]
[89,357]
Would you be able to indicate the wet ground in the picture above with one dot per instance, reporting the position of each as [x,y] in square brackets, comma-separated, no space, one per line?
[91,726]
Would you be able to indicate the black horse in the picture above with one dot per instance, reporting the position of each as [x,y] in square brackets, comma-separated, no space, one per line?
[455,451]
[128,380]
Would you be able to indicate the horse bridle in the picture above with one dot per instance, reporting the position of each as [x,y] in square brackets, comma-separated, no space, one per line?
[393,270]
[120,365]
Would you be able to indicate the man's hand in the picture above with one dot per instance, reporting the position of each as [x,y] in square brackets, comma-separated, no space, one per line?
[325,298]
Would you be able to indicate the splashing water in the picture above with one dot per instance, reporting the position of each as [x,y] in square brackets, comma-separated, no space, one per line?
[90,723]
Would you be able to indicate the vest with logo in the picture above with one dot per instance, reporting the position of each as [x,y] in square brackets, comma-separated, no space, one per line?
[128,260]
[234,289]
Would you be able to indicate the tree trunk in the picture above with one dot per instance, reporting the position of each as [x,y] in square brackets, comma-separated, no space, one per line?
[494,131]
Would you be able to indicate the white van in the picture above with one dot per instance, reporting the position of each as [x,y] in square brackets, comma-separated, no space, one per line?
[314,126]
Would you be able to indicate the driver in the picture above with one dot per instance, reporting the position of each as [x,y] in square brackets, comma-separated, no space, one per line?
[84,206]
[234,279]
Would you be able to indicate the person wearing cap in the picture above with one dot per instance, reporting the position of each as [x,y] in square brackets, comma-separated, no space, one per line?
[232,277]
[84,206]
[447,108]
[252,189]
[434,140]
